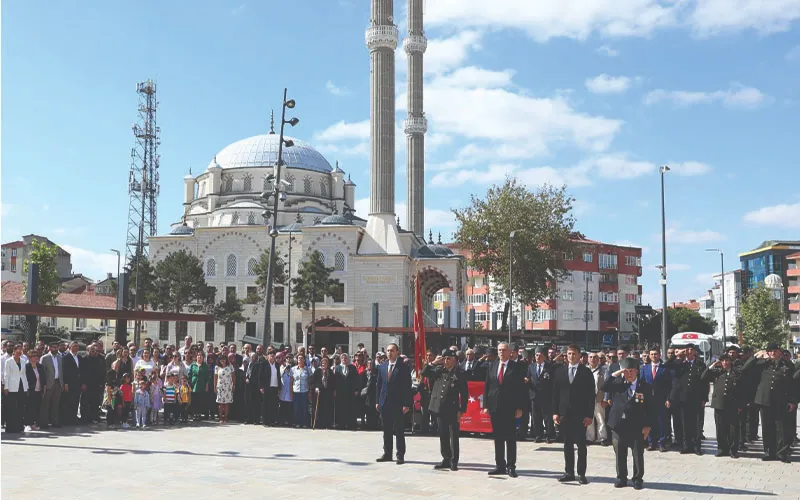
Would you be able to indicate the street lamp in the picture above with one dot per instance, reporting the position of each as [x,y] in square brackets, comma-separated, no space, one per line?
[663,170]
[273,232]
[510,288]
[289,286]
[117,252]
[722,267]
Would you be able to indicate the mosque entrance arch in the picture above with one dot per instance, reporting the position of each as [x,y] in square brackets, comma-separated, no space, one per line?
[331,340]
[437,304]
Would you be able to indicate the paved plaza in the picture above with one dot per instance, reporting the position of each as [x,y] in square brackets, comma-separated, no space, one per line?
[249,462]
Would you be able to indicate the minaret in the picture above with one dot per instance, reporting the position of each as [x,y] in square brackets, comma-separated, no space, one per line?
[416,124]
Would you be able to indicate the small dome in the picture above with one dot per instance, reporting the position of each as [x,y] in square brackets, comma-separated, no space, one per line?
[262,151]
[336,220]
[773,281]
[424,252]
[441,250]
[295,227]
[182,230]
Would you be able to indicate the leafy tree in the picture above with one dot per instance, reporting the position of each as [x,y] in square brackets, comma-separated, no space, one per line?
[179,282]
[230,310]
[544,227]
[678,320]
[49,285]
[144,270]
[279,276]
[312,284]
[762,319]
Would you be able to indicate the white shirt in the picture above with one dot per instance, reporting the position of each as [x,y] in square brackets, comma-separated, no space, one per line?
[573,370]
[77,361]
[391,367]
[273,375]
[55,367]
[344,370]
[502,366]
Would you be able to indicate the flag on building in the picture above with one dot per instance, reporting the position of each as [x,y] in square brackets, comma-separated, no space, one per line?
[419,329]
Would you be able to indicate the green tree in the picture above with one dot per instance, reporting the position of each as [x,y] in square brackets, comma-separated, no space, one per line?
[679,320]
[762,319]
[312,284]
[279,277]
[179,282]
[140,266]
[544,226]
[49,285]
[230,310]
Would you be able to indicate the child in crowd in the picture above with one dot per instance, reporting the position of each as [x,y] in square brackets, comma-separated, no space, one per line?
[185,399]
[141,404]
[156,396]
[112,403]
[171,400]
[126,388]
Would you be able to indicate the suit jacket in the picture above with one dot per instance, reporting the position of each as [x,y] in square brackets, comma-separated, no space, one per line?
[93,370]
[474,373]
[30,373]
[540,386]
[265,375]
[449,393]
[13,375]
[510,395]
[316,383]
[48,361]
[727,391]
[630,414]
[72,372]
[574,400]
[663,383]
[613,367]
[777,386]
[252,371]
[394,393]
[346,385]
[599,375]
[689,386]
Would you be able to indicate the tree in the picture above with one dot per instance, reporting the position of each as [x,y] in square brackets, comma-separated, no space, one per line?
[44,254]
[279,276]
[762,319]
[179,282]
[144,272]
[312,284]
[544,227]
[679,320]
[230,310]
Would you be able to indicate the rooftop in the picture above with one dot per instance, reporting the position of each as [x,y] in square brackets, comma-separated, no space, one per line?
[14,292]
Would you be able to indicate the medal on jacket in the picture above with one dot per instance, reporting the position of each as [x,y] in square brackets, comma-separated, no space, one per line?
[639,397]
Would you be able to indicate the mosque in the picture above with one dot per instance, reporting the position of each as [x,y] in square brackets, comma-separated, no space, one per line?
[374,259]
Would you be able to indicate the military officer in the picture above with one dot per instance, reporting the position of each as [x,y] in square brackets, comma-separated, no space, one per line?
[776,397]
[690,393]
[449,398]
[727,404]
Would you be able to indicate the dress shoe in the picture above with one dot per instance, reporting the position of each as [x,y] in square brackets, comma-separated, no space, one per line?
[621,483]
[720,453]
[651,448]
[384,458]
[734,454]
[698,451]
[566,478]
[454,467]
[540,440]
[443,465]
[583,480]
[512,472]
[785,459]
[400,460]
[767,458]
[605,442]
[685,451]
[550,440]
[702,437]
[662,449]
[637,485]
[743,447]
[497,472]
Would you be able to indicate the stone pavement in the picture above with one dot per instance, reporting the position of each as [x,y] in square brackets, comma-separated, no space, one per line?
[232,460]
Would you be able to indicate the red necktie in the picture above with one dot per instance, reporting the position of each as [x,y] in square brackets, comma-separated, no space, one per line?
[500,375]
[655,367]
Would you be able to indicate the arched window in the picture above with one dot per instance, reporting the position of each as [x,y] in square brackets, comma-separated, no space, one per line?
[323,187]
[307,189]
[230,268]
[235,218]
[338,262]
[251,218]
[290,180]
[227,183]
[251,267]
[247,184]
[211,267]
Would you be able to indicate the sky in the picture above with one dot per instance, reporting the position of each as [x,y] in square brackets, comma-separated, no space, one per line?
[594,94]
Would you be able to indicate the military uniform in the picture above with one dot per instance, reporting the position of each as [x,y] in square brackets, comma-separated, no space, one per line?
[449,397]
[727,403]
[690,392]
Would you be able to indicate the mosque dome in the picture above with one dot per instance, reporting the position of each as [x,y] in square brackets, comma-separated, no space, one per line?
[336,220]
[262,151]
[182,230]
[773,281]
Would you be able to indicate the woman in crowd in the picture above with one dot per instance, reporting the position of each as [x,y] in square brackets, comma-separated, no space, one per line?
[322,384]
[35,376]
[15,382]
[224,383]
[237,408]
[175,367]
[285,396]
[199,377]
[145,363]
[300,394]
[124,365]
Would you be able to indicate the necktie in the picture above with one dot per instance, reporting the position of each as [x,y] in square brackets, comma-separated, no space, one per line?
[538,371]
[572,374]
[389,373]
[630,391]
[655,367]
[500,375]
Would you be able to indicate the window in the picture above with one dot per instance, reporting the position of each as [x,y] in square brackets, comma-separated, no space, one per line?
[323,187]
[163,330]
[235,218]
[609,297]
[630,298]
[13,266]
[569,277]
[587,277]
[630,317]
[227,183]
[588,316]
[230,332]
[251,219]
[278,295]
[608,278]
[290,180]
[587,256]
[478,298]
[251,267]
[13,252]
[338,262]
[252,294]
[568,256]
[307,189]
[608,261]
[630,260]
[638,300]
[338,293]
[298,332]
[230,292]
[209,332]
[588,296]
[80,322]
[568,295]
[630,280]
[247,183]
[481,316]
[568,315]
[181,329]
[231,266]
[250,328]
[540,315]
[277,332]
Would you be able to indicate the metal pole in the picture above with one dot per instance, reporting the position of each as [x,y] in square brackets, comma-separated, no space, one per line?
[724,325]
[663,170]
[586,312]
[510,289]
[289,305]
[117,252]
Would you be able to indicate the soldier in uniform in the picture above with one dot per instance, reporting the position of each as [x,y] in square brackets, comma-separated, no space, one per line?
[776,397]
[449,397]
[727,404]
[691,394]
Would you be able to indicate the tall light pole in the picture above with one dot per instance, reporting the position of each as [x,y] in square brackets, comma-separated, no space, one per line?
[722,267]
[510,288]
[276,196]
[663,170]
[117,252]
[289,329]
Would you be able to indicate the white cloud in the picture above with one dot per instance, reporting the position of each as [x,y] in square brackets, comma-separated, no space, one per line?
[343,130]
[711,17]
[689,168]
[92,264]
[678,267]
[677,235]
[707,278]
[607,51]
[784,215]
[737,96]
[334,90]
[618,166]
[434,218]
[444,54]
[472,77]
[606,84]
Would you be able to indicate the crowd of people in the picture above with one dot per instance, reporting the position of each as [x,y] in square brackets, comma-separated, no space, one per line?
[548,395]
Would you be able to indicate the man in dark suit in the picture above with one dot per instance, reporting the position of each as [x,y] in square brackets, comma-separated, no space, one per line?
[471,366]
[269,385]
[504,398]
[449,398]
[93,375]
[395,397]
[623,352]
[632,411]
[347,388]
[73,384]
[540,390]
[691,393]
[573,410]
[252,392]
[661,380]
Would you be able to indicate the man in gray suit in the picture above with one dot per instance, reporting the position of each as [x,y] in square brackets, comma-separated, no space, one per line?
[53,382]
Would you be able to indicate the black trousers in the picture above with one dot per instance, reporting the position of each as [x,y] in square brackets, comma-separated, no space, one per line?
[69,404]
[636,443]
[677,424]
[252,403]
[777,442]
[323,410]
[449,430]
[345,411]
[753,413]
[34,408]
[504,433]
[90,403]
[14,409]
[269,406]
[394,425]
[522,430]
[690,419]
[285,415]
[727,430]
[574,434]
[428,418]
[542,420]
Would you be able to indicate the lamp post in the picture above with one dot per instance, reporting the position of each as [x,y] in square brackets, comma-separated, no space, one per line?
[289,286]
[276,197]
[722,267]
[663,170]
[510,288]
[117,252]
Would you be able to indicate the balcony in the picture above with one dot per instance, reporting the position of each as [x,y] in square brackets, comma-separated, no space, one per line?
[381,37]
[793,271]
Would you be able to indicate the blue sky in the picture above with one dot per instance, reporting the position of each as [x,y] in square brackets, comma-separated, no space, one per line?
[595,94]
